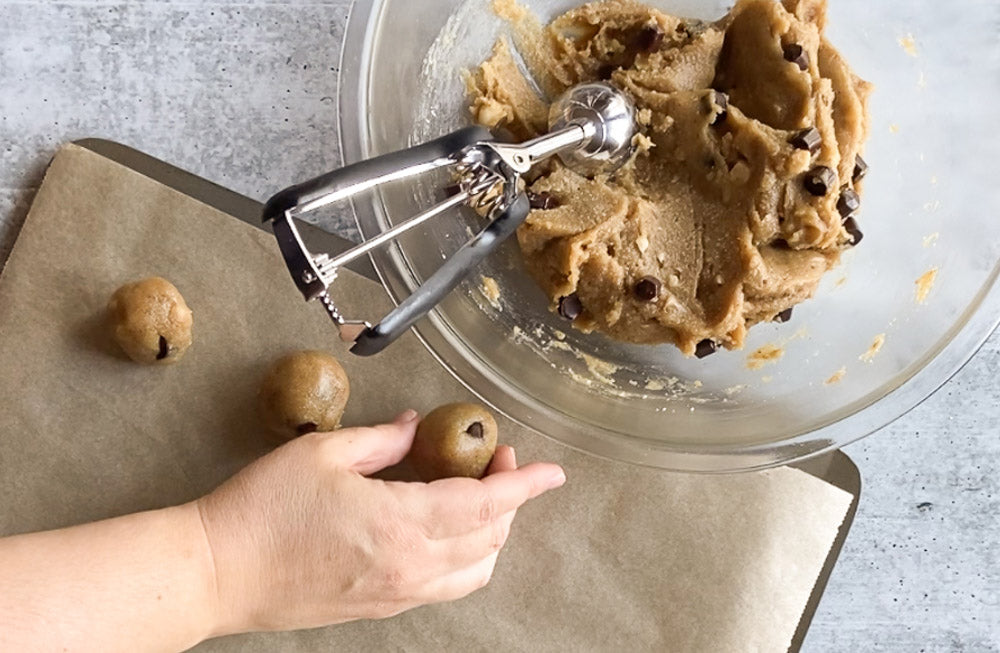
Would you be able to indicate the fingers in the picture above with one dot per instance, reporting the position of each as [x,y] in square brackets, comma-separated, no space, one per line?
[512,489]
[369,450]
[466,523]
[461,506]
[504,460]
[466,550]
[459,584]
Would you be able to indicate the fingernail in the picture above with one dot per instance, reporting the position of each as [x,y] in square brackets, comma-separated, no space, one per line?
[513,457]
[557,480]
[407,417]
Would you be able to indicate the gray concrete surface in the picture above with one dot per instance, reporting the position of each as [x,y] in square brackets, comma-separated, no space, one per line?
[242,92]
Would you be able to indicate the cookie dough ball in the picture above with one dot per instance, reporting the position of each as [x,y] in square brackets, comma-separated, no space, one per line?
[305,392]
[457,440]
[151,321]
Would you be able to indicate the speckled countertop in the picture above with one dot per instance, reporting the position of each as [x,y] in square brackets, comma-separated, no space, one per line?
[242,92]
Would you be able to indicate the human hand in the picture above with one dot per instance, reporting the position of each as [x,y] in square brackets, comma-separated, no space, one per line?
[301,539]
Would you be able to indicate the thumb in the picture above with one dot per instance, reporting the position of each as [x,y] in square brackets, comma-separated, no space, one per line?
[372,449]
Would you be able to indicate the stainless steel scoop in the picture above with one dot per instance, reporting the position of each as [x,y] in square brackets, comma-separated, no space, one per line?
[591,129]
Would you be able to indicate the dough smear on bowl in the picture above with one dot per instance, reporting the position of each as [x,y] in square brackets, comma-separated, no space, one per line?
[746,182]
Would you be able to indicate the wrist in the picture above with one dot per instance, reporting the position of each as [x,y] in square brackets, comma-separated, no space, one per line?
[216,615]
[232,599]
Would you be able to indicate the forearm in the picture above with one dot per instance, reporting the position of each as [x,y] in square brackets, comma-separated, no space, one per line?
[136,583]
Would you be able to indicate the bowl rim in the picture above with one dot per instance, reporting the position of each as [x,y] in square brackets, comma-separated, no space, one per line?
[946,359]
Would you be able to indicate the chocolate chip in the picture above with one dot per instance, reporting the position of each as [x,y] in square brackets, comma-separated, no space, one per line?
[452,190]
[820,180]
[542,201]
[476,431]
[606,70]
[307,428]
[849,203]
[860,169]
[650,39]
[796,54]
[571,307]
[781,243]
[784,316]
[807,139]
[648,289]
[719,101]
[164,349]
[706,348]
[851,227]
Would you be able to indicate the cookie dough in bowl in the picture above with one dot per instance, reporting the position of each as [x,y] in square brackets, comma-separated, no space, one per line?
[796,389]
[746,182]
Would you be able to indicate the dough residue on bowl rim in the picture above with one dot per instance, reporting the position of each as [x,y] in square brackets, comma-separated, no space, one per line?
[925,284]
[491,291]
[909,45]
[600,375]
[837,376]
[764,356]
[874,350]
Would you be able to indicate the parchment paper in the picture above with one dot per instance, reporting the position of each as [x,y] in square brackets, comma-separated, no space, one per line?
[621,558]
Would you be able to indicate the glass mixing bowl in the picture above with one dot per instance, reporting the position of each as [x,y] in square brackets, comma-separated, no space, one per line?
[931,203]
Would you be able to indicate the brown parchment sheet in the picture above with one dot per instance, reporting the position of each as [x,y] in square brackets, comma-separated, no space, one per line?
[622,558]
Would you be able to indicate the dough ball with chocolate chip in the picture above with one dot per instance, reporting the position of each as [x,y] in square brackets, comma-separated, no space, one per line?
[151,321]
[302,393]
[457,440]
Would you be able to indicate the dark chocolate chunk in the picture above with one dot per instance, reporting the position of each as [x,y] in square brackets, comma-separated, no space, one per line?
[164,349]
[796,54]
[307,428]
[784,316]
[781,243]
[719,102]
[452,190]
[706,348]
[648,289]
[606,70]
[851,226]
[820,180]
[849,203]
[571,307]
[649,39]
[542,201]
[860,169]
[807,139]
[476,430]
